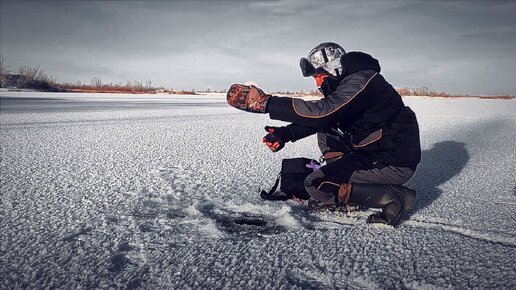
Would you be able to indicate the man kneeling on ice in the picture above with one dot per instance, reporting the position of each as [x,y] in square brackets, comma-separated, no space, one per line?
[368,137]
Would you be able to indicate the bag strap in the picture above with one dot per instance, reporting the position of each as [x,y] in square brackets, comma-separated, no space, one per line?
[270,194]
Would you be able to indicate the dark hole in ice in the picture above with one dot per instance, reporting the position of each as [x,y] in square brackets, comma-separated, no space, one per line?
[124,247]
[250,221]
[242,224]
[118,263]
[145,228]
[74,236]
[134,284]
[175,214]
[112,219]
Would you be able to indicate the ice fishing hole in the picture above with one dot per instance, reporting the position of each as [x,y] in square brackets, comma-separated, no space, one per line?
[250,221]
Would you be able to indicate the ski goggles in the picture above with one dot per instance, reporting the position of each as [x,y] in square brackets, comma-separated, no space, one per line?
[307,68]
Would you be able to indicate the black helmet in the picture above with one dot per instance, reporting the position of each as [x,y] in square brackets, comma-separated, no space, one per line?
[324,59]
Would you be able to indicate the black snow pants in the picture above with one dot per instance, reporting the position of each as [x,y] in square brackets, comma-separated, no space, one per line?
[352,167]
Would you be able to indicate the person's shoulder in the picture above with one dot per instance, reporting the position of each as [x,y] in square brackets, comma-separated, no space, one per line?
[359,77]
[356,61]
[357,82]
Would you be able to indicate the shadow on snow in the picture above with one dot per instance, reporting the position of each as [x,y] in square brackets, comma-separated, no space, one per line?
[438,165]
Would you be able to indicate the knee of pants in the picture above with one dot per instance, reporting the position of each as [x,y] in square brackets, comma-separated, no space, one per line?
[312,178]
[318,187]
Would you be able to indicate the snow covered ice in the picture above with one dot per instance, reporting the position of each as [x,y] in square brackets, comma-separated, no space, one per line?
[161,192]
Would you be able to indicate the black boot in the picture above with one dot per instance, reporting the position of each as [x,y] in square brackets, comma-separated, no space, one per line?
[395,200]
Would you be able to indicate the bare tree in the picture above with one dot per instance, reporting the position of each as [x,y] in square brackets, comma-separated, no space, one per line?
[96,82]
[3,71]
[3,66]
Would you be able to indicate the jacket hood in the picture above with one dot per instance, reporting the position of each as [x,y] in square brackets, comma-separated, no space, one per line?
[356,61]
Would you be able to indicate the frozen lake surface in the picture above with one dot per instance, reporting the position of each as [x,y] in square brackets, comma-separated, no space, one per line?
[161,192]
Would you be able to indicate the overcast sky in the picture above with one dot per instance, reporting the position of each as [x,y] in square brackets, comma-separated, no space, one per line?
[454,46]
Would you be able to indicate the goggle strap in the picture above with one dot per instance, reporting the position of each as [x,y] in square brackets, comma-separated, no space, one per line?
[323,51]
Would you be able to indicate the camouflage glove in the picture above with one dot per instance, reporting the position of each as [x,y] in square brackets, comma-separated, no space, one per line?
[248,98]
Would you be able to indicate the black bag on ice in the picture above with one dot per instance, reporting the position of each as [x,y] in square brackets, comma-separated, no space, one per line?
[292,177]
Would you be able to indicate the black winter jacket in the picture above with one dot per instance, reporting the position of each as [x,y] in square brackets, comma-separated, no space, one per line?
[362,104]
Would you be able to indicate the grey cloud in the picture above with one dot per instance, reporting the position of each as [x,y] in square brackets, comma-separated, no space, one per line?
[285,7]
[489,35]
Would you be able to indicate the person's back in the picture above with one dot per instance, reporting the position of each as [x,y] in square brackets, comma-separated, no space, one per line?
[386,131]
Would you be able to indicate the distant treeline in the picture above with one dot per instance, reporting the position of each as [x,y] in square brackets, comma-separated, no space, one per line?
[35,79]
[425,91]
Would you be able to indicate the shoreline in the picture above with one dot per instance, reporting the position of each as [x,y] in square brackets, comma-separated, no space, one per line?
[193,93]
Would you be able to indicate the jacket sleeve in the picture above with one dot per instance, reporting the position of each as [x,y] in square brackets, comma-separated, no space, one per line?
[297,132]
[344,105]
